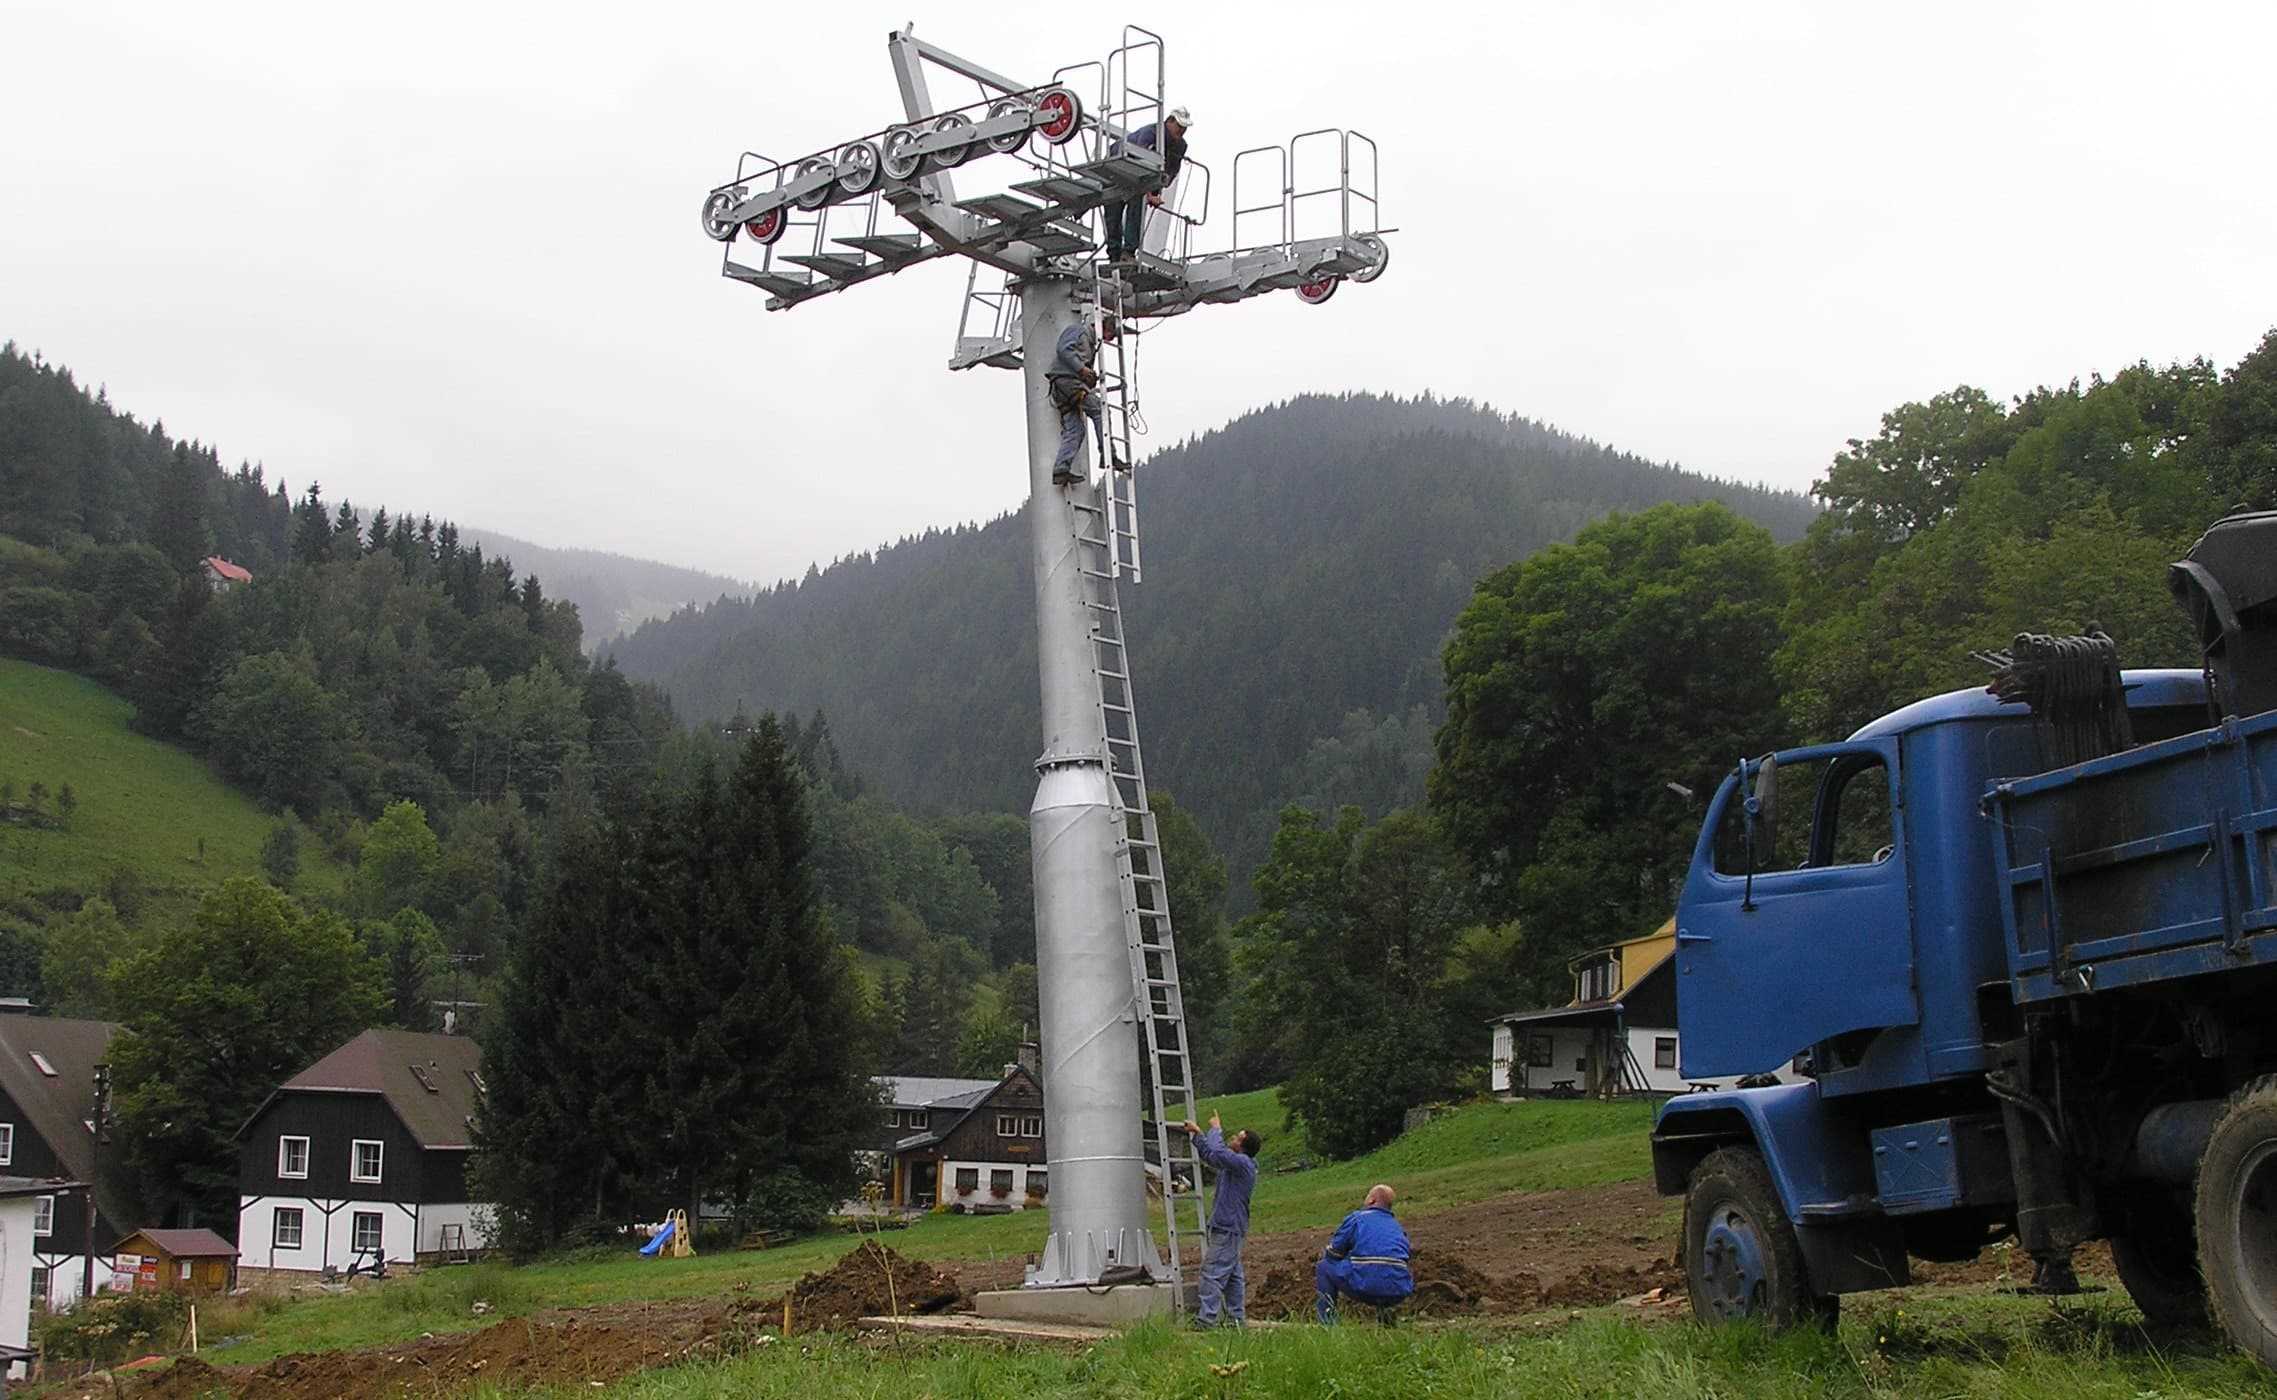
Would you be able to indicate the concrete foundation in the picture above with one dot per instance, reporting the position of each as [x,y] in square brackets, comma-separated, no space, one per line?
[1119,1306]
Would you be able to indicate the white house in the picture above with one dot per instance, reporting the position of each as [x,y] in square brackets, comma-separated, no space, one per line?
[363,1155]
[1617,1036]
[20,1198]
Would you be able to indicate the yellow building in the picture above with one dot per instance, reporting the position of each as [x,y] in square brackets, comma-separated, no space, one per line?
[1617,1035]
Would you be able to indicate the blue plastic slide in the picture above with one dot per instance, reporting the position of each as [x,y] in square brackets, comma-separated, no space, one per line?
[663,1238]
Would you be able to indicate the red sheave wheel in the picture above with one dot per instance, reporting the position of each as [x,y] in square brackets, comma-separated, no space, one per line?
[1061,113]
[1315,292]
[768,227]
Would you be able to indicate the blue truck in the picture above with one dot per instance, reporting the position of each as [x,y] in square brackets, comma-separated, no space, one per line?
[2021,944]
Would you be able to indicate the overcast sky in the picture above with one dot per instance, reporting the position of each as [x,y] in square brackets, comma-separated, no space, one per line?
[447,256]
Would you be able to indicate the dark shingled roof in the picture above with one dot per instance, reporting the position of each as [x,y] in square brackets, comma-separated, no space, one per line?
[183,1244]
[61,1105]
[429,1080]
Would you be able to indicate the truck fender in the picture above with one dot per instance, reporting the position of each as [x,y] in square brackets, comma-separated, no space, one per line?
[1820,1164]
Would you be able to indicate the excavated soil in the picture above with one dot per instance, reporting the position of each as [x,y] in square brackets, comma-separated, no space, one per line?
[872,1281]
[587,1346]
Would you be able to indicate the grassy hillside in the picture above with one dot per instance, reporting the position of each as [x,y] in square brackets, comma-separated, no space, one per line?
[144,805]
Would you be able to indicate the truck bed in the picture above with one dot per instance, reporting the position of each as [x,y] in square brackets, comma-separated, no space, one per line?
[2146,866]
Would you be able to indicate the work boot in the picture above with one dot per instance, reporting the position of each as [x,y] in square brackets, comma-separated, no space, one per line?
[1061,476]
[1122,466]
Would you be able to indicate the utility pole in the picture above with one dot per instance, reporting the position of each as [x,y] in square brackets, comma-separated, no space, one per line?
[101,1129]
[1117,1069]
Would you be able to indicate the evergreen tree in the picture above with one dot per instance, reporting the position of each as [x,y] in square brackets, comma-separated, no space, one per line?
[178,518]
[381,538]
[312,529]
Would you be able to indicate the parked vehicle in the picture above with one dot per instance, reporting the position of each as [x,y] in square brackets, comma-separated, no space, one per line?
[2023,943]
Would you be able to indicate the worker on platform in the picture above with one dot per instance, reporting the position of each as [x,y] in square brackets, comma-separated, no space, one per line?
[1224,1290]
[1124,222]
[1074,381]
[1367,1259]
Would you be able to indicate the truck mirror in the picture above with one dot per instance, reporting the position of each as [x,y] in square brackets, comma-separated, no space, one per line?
[1763,813]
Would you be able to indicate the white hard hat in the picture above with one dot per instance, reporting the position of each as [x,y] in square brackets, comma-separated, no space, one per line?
[1181,116]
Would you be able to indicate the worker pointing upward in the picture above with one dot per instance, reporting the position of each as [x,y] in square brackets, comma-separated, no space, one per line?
[1224,1289]
[1125,222]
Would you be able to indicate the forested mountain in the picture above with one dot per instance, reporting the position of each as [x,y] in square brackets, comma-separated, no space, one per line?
[614,593]
[1303,565]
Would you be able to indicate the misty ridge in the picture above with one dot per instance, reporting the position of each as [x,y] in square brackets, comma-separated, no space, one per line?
[1302,567]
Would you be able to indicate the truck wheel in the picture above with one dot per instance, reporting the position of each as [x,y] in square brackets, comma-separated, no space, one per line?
[1741,1257]
[2237,1220]
[2158,1262]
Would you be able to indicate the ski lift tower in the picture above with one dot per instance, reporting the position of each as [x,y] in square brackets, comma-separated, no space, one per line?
[1117,1074]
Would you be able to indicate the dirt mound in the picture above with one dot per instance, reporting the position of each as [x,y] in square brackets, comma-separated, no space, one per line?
[872,1281]
[187,1379]
[514,1354]
[1443,1288]
[1594,1285]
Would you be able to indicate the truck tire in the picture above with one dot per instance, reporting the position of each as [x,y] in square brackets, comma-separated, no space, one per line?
[2157,1256]
[2237,1220]
[1741,1257]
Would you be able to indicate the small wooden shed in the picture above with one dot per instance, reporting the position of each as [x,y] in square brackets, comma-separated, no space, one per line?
[175,1261]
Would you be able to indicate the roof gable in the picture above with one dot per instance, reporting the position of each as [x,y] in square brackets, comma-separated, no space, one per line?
[61,1104]
[432,1082]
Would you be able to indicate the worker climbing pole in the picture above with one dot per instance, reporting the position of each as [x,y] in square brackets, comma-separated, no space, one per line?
[1117,1069]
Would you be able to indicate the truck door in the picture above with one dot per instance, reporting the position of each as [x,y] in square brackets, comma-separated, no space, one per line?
[1801,928]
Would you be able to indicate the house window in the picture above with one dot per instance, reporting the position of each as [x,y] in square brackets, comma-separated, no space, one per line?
[1000,1181]
[364,1232]
[184,1266]
[40,1063]
[39,1285]
[1539,1048]
[43,1216]
[475,1077]
[426,1080]
[1598,980]
[1039,1184]
[918,1118]
[7,1143]
[285,1232]
[364,1161]
[1031,1125]
[292,1156]
[1581,1063]
[1664,1052]
[968,1180]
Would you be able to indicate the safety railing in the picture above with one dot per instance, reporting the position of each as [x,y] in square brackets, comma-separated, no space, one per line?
[1327,186]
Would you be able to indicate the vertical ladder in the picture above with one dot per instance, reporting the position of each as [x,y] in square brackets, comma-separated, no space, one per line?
[1118,391]
[1156,996]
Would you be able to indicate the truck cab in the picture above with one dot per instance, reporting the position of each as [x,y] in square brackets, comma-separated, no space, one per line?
[2020,941]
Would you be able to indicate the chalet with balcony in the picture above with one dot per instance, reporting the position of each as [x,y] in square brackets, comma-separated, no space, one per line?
[978,1146]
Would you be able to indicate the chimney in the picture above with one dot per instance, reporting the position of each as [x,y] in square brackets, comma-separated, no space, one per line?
[1032,1058]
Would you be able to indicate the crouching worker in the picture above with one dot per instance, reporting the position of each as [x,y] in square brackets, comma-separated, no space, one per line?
[1367,1260]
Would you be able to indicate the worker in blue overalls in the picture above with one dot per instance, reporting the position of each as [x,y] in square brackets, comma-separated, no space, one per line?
[1224,1291]
[1367,1260]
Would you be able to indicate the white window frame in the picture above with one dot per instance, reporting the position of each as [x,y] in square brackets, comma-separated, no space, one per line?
[43,1216]
[277,1227]
[1008,1125]
[356,1161]
[1031,1125]
[7,1144]
[184,1275]
[282,1170]
[379,1232]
